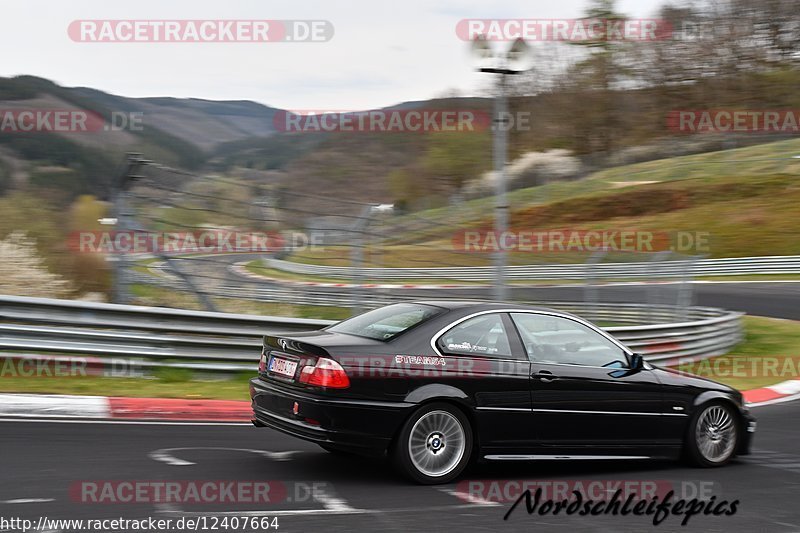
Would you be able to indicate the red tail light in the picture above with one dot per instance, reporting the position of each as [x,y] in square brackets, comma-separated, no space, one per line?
[326,373]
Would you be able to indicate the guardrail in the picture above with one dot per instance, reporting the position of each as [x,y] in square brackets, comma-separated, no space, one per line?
[355,297]
[735,266]
[198,340]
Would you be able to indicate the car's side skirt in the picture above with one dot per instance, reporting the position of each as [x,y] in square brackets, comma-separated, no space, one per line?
[542,457]
[572,411]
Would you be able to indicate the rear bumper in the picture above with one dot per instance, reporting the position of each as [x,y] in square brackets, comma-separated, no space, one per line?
[362,426]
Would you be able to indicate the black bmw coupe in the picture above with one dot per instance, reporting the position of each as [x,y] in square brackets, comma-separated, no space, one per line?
[436,384]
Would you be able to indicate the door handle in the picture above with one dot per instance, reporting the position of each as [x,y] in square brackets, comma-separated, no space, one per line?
[544,376]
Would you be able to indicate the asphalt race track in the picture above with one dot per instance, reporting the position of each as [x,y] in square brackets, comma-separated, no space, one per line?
[777,299]
[773,299]
[42,460]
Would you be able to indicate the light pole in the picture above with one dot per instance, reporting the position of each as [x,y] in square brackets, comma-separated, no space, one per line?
[358,243]
[514,61]
[122,219]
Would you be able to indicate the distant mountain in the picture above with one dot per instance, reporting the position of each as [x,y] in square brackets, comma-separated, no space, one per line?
[181,132]
[201,135]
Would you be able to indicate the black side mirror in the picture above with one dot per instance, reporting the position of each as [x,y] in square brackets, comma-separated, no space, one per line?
[637,361]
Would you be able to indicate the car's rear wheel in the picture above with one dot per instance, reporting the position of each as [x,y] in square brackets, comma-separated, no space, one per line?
[434,445]
[713,435]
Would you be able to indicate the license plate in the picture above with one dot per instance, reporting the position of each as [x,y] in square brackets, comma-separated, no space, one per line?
[282,367]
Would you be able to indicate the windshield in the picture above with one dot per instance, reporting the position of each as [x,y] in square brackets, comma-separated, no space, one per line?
[387,322]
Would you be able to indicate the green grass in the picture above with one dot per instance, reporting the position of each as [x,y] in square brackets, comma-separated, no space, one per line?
[143,265]
[160,297]
[776,339]
[747,198]
[742,216]
[152,295]
[166,386]
[768,158]
[256,268]
[753,277]
[737,216]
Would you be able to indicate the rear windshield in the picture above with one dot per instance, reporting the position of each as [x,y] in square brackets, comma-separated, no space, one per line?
[387,322]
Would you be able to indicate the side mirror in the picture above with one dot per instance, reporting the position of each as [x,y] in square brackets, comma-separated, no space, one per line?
[637,362]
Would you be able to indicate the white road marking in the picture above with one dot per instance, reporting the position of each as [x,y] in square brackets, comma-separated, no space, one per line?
[54,405]
[778,460]
[284,512]
[787,387]
[469,498]
[165,455]
[276,512]
[29,500]
[166,508]
[160,455]
[332,504]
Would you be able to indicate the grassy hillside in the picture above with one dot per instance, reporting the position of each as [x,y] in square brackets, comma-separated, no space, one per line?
[748,199]
[751,161]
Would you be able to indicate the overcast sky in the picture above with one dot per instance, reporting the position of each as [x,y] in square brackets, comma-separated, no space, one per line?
[383,51]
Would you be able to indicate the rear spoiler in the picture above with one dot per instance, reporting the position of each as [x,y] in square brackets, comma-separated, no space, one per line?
[287,344]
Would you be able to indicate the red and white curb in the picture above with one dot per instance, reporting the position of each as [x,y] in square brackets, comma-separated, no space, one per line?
[241,270]
[113,408]
[173,409]
[782,392]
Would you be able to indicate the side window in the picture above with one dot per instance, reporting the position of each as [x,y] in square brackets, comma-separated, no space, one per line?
[481,335]
[552,339]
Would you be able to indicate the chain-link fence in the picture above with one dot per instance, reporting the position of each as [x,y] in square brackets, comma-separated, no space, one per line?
[246,243]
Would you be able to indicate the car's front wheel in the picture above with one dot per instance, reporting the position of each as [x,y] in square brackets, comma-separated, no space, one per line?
[713,435]
[434,445]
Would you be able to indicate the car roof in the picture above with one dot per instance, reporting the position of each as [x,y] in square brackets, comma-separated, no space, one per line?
[476,305]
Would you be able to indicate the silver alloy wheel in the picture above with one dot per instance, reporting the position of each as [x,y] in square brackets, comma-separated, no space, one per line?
[715,434]
[436,443]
